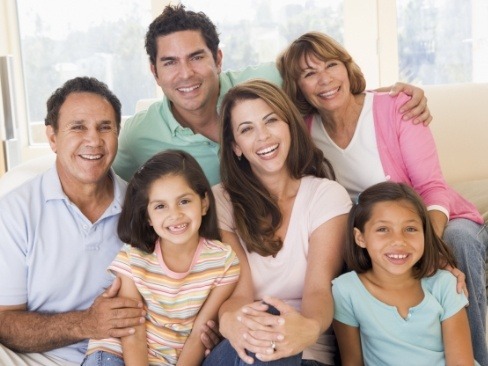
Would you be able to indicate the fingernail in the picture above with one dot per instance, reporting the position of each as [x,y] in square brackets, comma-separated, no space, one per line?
[281,337]
[142,320]
[281,321]
[239,318]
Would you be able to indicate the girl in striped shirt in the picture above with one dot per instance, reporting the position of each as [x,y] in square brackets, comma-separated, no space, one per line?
[174,262]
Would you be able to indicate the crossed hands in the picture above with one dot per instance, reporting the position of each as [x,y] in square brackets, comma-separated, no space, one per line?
[269,337]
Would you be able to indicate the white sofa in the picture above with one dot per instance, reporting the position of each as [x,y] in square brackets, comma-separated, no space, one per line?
[460,129]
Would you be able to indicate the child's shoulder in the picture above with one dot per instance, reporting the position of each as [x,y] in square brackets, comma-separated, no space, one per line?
[441,278]
[216,246]
[346,279]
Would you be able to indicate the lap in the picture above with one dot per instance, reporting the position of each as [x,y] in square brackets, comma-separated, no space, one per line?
[9,357]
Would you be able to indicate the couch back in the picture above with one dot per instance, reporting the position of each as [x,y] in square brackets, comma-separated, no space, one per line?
[460,129]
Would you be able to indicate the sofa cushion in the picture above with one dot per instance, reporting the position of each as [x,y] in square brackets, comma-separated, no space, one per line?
[475,191]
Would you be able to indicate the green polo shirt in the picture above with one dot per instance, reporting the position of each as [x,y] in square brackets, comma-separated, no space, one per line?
[155,129]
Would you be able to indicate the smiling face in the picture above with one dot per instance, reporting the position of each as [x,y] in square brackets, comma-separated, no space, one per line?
[175,210]
[86,139]
[393,237]
[261,136]
[187,72]
[325,84]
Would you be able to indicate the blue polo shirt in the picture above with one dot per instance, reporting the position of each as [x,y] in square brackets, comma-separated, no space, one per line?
[155,129]
[52,258]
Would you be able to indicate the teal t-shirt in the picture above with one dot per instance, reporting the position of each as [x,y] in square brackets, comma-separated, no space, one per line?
[386,337]
[155,129]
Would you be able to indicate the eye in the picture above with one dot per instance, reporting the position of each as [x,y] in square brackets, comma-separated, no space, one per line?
[308,74]
[271,120]
[169,63]
[411,229]
[77,127]
[197,57]
[245,129]
[185,201]
[159,206]
[106,128]
[382,229]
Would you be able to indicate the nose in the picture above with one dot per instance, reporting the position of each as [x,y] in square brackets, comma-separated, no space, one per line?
[174,211]
[263,133]
[325,77]
[398,239]
[93,138]
[186,70]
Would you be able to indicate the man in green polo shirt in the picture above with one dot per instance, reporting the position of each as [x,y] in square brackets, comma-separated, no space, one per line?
[183,49]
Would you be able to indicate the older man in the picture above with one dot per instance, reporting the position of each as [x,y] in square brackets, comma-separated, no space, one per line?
[58,235]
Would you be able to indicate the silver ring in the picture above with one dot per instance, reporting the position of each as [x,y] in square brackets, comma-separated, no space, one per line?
[273,345]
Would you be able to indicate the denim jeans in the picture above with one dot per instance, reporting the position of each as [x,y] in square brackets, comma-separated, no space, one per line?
[225,355]
[469,242]
[101,358]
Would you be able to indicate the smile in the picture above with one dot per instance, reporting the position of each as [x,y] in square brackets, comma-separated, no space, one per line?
[397,256]
[267,150]
[91,157]
[189,89]
[329,93]
[177,228]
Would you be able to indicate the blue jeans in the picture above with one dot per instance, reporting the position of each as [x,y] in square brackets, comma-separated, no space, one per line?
[225,355]
[469,242]
[102,358]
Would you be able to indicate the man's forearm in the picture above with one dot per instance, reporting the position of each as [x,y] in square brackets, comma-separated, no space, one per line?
[23,331]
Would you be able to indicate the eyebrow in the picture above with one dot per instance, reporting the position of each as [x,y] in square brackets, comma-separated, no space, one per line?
[263,119]
[190,55]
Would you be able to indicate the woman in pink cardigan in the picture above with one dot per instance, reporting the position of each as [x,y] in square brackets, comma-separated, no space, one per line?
[364,137]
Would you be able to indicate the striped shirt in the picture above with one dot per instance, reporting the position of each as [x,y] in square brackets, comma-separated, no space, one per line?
[173,300]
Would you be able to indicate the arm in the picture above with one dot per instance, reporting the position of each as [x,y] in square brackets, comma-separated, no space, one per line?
[193,351]
[349,341]
[439,221]
[416,108]
[231,310]
[457,340]
[324,263]
[134,346]
[25,331]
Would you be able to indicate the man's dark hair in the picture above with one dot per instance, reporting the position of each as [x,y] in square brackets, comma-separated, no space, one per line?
[82,84]
[175,18]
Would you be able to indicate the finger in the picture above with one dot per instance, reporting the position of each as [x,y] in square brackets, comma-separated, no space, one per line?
[267,336]
[118,333]
[413,109]
[123,303]
[241,352]
[127,322]
[282,306]
[257,346]
[258,306]
[114,288]
[259,322]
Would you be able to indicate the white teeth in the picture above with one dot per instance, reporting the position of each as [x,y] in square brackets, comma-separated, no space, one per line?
[329,93]
[91,157]
[177,227]
[189,89]
[397,256]
[267,150]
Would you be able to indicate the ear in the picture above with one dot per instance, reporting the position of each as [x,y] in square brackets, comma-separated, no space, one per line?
[237,150]
[359,238]
[154,71]
[205,204]
[51,137]
[218,61]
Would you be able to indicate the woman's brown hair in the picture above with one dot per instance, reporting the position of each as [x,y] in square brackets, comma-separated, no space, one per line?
[256,212]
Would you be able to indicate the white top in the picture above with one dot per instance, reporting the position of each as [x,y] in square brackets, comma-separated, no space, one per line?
[317,201]
[358,165]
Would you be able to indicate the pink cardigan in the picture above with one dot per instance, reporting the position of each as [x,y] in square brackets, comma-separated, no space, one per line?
[408,154]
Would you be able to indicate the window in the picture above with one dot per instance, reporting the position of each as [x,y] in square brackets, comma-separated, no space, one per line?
[255,31]
[63,39]
[442,41]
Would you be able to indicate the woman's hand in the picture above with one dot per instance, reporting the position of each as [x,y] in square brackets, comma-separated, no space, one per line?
[273,337]
[416,108]
[460,277]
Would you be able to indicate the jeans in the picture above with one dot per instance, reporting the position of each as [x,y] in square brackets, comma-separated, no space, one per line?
[225,355]
[469,242]
[102,358]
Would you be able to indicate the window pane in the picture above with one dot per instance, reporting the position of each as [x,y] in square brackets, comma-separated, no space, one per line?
[63,39]
[442,41]
[255,31]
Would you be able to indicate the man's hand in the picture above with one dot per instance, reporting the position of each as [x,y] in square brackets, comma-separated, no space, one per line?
[112,316]
[210,336]
[416,108]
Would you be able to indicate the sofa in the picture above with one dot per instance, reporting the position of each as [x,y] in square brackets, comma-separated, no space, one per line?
[460,129]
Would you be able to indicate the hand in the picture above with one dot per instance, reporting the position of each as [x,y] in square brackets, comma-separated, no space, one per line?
[416,108]
[236,327]
[111,316]
[295,332]
[210,336]
[461,279]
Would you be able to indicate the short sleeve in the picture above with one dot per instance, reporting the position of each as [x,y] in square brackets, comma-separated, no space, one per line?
[231,268]
[444,290]
[121,263]
[343,307]
[330,200]
[225,213]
